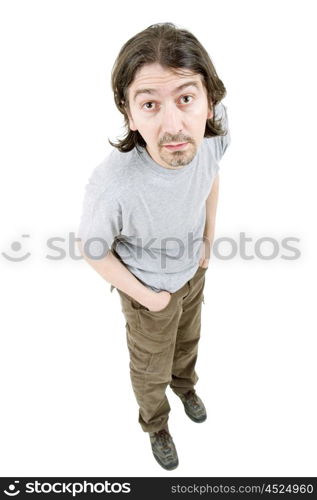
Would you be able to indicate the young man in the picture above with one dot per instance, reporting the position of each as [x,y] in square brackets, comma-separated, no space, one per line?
[148,217]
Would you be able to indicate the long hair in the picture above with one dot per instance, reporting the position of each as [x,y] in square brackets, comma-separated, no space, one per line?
[172,48]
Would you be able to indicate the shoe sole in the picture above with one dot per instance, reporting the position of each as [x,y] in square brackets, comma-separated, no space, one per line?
[172,467]
[198,421]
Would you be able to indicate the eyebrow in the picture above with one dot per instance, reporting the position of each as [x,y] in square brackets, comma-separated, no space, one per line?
[154,91]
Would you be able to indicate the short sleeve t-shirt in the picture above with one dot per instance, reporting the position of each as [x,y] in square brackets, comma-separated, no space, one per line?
[152,216]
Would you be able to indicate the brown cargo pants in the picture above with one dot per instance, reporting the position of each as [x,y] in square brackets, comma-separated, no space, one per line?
[163,349]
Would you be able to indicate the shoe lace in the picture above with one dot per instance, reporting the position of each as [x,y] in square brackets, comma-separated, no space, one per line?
[191,397]
[164,439]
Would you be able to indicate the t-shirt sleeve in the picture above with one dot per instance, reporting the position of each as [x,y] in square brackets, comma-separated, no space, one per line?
[221,143]
[101,218]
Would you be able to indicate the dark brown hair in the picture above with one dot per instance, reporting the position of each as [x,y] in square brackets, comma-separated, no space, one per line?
[172,48]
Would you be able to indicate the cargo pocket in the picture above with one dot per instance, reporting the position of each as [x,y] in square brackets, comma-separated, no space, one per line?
[139,359]
[151,339]
[147,356]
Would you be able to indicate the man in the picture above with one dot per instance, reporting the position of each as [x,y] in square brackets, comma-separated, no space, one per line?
[148,218]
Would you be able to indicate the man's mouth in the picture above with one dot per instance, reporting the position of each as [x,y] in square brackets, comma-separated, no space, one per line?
[173,147]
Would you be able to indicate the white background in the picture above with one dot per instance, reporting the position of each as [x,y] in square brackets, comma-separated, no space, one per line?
[67,403]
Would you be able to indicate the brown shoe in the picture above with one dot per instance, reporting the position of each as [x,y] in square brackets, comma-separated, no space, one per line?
[194,407]
[163,449]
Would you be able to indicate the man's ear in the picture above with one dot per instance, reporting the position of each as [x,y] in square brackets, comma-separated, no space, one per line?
[132,124]
[210,112]
[131,121]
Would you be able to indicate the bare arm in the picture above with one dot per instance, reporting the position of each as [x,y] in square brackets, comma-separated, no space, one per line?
[210,224]
[113,271]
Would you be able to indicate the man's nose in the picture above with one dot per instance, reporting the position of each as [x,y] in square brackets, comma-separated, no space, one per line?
[171,120]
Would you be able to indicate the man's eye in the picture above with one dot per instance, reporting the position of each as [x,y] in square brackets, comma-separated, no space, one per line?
[147,103]
[186,97]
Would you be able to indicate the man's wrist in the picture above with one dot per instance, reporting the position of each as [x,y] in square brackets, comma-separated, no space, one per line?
[145,296]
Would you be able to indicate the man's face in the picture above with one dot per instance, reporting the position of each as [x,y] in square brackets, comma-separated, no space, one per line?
[164,113]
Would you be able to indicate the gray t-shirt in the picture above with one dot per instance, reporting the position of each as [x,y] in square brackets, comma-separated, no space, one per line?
[151,216]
